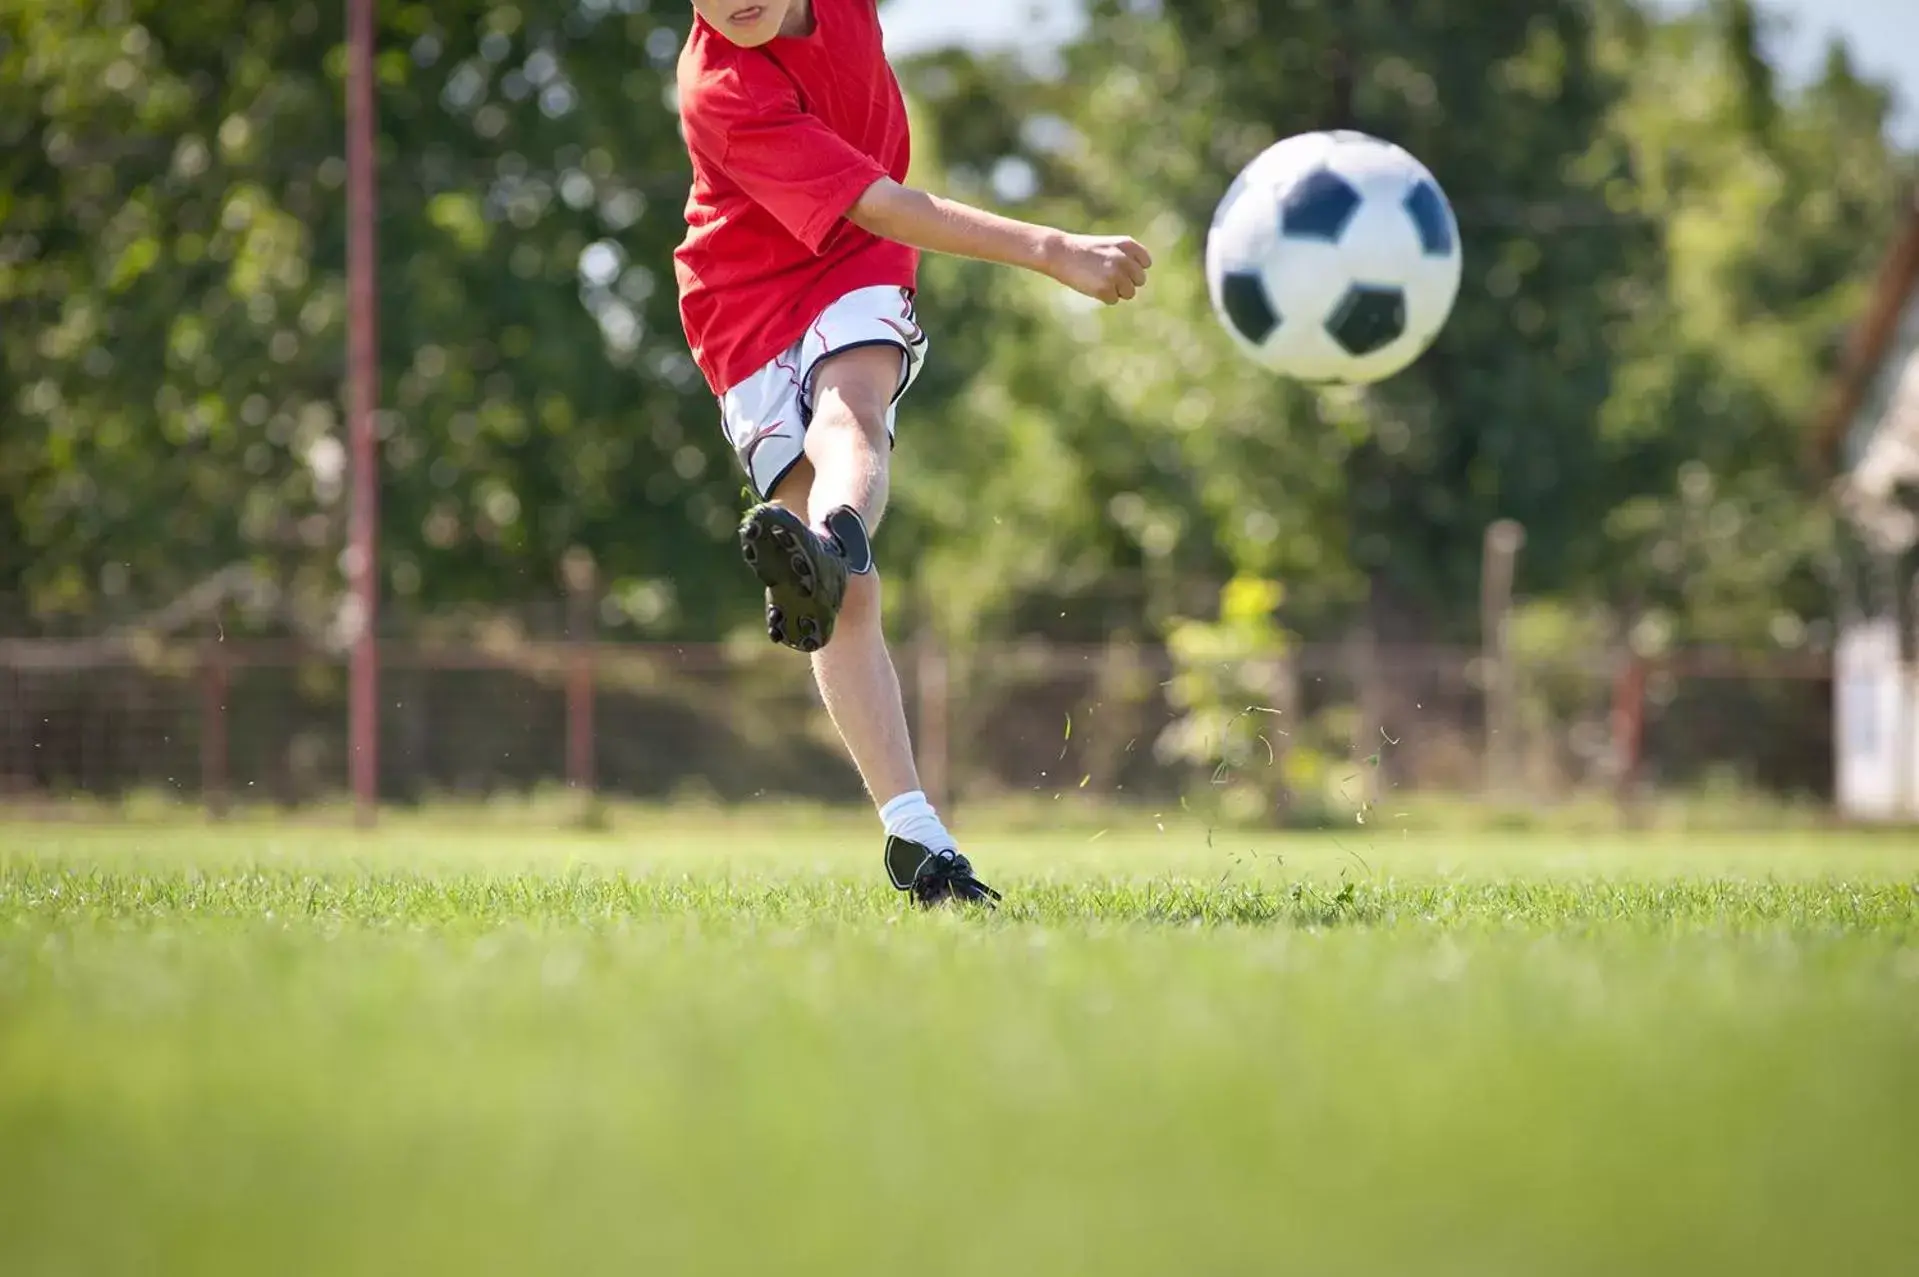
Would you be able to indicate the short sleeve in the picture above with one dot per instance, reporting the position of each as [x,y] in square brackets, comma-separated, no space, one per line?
[786,160]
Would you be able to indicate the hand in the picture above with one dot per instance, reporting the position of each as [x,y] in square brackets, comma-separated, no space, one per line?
[1107,268]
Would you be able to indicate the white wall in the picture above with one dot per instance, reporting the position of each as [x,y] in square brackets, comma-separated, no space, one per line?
[1877,736]
[1887,387]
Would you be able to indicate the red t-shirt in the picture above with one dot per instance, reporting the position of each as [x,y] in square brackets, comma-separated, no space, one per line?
[784,138]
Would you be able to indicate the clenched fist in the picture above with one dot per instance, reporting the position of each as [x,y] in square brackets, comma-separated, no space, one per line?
[1107,268]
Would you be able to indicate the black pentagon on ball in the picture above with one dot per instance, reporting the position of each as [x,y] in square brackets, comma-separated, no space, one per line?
[1427,208]
[1318,207]
[1368,318]
[1243,294]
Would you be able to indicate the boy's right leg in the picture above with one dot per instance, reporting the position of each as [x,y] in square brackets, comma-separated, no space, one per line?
[830,497]
[846,450]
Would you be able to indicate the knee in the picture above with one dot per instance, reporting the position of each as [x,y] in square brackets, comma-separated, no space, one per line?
[853,394]
[857,419]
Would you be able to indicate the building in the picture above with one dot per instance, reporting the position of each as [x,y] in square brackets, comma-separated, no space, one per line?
[1868,437]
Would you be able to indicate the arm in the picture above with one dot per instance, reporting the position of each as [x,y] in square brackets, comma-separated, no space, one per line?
[936,225]
[1108,268]
[810,180]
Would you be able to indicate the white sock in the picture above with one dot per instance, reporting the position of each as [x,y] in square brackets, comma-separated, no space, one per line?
[911,817]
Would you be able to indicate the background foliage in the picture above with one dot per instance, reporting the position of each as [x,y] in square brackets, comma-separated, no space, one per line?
[1663,248]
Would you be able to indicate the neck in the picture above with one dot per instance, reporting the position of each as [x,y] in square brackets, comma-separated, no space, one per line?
[799,19]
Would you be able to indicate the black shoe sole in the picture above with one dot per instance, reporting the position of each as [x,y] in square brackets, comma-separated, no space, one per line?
[804,589]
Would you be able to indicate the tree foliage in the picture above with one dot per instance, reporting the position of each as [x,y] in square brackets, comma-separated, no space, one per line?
[1662,249]
[1663,245]
[174,254]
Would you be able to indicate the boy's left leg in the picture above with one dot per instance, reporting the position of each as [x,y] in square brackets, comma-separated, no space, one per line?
[849,446]
[840,492]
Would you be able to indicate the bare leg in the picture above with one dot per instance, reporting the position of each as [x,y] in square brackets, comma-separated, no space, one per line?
[846,465]
[845,468]
[846,442]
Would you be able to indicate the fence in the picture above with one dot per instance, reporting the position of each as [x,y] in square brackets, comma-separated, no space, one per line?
[252,721]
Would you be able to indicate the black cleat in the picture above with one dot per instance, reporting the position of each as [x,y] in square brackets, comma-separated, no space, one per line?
[935,877]
[804,575]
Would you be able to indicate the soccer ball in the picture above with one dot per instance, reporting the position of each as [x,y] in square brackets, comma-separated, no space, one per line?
[1334,258]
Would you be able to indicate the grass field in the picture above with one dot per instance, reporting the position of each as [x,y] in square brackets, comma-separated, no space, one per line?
[670,1049]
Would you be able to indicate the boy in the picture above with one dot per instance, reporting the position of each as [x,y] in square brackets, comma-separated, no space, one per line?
[797,278]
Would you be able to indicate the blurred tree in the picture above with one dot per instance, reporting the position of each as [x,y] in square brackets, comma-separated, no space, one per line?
[1660,252]
[1771,213]
[1661,246]
[172,252]
[1379,497]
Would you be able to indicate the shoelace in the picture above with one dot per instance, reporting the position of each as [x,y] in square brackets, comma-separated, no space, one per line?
[952,868]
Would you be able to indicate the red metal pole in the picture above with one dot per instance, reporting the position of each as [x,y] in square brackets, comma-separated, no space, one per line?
[1629,724]
[579,720]
[363,715]
[934,728]
[582,677]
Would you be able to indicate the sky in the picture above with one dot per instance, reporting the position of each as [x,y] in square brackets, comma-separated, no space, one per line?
[1884,34]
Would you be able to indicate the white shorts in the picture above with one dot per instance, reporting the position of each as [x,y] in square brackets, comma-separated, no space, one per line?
[765,417]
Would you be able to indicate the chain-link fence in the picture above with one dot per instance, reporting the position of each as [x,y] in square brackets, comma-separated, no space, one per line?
[221,721]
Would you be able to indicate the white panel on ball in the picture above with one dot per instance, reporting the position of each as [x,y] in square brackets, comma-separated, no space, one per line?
[1334,257]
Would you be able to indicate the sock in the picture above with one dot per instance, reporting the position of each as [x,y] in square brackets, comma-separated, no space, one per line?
[911,817]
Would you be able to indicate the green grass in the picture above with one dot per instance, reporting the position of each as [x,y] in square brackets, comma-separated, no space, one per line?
[672,1050]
